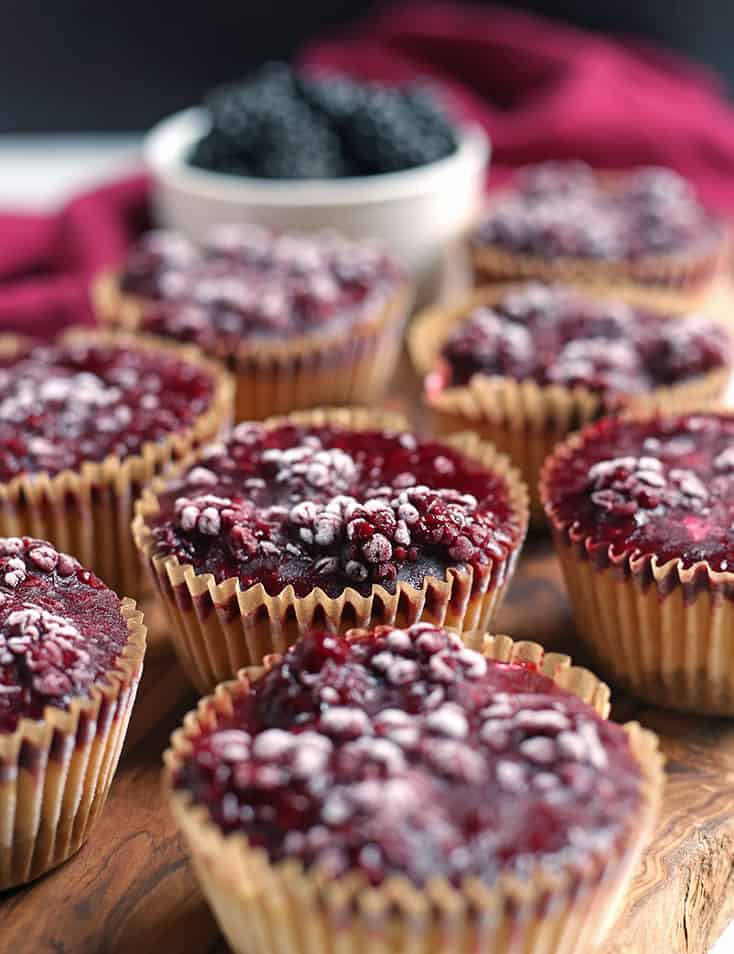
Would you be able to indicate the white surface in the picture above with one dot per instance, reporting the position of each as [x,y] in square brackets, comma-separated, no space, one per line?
[42,171]
[417,212]
[726,942]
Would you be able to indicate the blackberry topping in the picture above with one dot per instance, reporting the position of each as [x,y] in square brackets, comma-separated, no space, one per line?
[331,508]
[560,209]
[280,124]
[61,405]
[245,280]
[553,335]
[60,629]
[663,486]
[404,752]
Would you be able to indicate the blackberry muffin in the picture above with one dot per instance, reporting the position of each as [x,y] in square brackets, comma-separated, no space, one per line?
[71,655]
[333,519]
[395,790]
[300,320]
[642,511]
[524,365]
[645,228]
[84,424]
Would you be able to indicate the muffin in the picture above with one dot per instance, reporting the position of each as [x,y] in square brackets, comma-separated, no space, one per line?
[71,656]
[644,229]
[84,423]
[395,790]
[642,511]
[524,365]
[333,519]
[300,320]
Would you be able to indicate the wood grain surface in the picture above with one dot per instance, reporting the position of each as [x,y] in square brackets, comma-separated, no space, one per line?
[130,890]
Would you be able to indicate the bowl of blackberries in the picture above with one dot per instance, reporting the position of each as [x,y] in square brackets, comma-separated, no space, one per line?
[292,150]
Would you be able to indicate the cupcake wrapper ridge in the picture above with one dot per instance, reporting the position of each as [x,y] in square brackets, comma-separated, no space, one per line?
[55,773]
[661,631]
[262,907]
[665,280]
[353,364]
[217,628]
[524,419]
[87,512]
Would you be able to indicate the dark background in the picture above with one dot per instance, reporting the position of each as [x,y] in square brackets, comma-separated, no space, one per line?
[118,65]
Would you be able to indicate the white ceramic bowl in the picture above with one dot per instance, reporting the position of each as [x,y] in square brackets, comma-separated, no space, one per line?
[415,214]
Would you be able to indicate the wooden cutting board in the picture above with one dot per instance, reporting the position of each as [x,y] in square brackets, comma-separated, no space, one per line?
[130,890]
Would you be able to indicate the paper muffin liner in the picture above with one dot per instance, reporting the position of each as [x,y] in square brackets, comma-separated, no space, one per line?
[524,419]
[660,631]
[354,363]
[87,512]
[55,772]
[217,628]
[263,906]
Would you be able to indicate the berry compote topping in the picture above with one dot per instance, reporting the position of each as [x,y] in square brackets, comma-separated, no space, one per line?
[560,209]
[553,335]
[246,281]
[663,487]
[332,508]
[64,404]
[279,123]
[403,752]
[60,629]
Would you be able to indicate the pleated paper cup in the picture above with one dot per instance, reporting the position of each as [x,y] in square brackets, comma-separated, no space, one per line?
[524,419]
[263,907]
[660,631]
[87,512]
[353,363]
[55,772]
[218,627]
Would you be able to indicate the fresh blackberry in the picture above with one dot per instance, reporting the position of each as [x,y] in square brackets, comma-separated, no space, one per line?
[299,147]
[387,134]
[271,84]
[210,152]
[336,97]
[284,125]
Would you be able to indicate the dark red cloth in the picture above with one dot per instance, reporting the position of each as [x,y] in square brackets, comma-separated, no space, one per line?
[47,261]
[540,89]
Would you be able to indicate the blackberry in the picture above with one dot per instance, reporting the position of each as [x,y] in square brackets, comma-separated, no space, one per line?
[283,125]
[386,134]
[336,98]
[298,145]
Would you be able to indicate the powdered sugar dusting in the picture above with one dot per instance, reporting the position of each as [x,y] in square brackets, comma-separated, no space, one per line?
[319,507]
[339,763]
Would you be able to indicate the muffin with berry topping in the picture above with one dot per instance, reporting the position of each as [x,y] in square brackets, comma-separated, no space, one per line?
[395,789]
[642,510]
[329,518]
[71,655]
[84,424]
[644,229]
[524,365]
[300,320]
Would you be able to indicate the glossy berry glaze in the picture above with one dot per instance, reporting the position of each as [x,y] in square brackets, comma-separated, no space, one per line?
[662,487]
[60,629]
[333,508]
[64,404]
[559,209]
[247,282]
[553,335]
[402,752]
